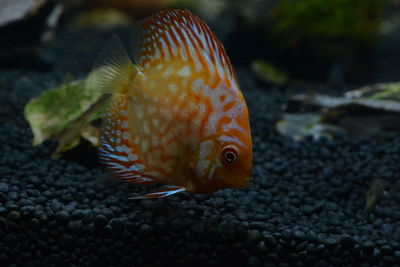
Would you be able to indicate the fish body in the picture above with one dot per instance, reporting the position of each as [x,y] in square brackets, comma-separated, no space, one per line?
[177,116]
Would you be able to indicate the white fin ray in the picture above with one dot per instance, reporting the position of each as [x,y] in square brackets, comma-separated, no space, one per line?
[164,192]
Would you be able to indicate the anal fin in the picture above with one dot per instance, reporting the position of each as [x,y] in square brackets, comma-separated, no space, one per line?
[163,192]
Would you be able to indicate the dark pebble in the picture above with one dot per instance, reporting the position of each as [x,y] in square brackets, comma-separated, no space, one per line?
[3,211]
[75,226]
[3,187]
[62,217]
[117,224]
[254,261]
[347,241]
[80,196]
[100,220]
[387,249]
[144,230]
[87,215]
[34,180]
[253,237]
[13,195]
[299,235]
[368,247]
[14,215]
[3,223]
[396,254]
[270,240]
[219,202]
[27,210]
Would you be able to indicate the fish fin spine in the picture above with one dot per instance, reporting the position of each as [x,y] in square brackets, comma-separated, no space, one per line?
[113,71]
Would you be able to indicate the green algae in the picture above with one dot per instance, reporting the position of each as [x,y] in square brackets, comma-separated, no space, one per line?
[332,20]
[269,73]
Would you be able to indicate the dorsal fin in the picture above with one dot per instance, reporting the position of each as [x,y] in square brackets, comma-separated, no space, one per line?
[179,35]
[113,71]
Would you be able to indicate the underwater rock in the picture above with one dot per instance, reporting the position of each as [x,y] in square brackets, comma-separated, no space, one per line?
[384,91]
[368,110]
[300,126]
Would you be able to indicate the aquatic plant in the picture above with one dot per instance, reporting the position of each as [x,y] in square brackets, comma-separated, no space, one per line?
[352,20]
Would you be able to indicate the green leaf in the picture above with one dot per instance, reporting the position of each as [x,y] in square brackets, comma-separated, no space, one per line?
[62,112]
[379,91]
[269,73]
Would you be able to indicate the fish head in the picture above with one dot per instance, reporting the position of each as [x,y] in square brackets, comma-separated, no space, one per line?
[225,160]
[233,164]
[233,160]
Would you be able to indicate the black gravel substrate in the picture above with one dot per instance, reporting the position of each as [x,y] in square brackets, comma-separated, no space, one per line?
[304,206]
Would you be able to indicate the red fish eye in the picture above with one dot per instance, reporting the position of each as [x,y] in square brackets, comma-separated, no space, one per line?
[230,155]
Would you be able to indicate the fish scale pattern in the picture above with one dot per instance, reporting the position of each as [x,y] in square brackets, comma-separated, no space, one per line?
[164,35]
[115,149]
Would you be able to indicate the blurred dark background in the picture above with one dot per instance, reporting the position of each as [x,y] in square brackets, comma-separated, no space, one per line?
[338,43]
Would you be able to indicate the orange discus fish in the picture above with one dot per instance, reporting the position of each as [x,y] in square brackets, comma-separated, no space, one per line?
[177,116]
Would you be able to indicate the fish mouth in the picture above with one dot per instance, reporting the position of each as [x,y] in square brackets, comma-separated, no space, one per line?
[245,182]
